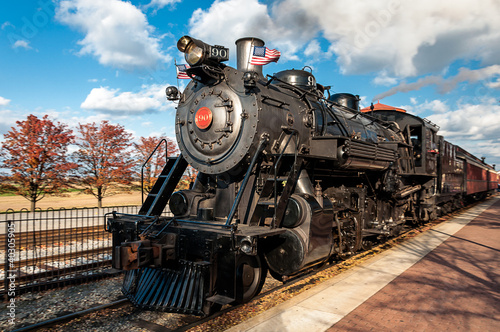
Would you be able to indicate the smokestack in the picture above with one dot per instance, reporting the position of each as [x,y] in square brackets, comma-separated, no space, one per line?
[244,48]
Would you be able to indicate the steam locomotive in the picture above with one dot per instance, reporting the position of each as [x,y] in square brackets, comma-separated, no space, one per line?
[288,179]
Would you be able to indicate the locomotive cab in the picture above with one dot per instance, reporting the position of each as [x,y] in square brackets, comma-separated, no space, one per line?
[420,133]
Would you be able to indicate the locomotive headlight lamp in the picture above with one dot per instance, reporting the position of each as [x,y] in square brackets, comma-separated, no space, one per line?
[247,245]
[194,54]
[172,93]
[197,52]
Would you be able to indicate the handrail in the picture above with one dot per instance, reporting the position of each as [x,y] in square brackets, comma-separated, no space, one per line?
[174,174]
[260,148]
[294,132]
[147,160]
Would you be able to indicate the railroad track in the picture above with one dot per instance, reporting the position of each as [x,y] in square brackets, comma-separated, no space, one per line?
[271,295]
[43,262]
[57,235]
[58,320]
[50,256]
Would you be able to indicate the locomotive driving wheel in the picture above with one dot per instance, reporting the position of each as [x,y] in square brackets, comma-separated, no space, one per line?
[250,277]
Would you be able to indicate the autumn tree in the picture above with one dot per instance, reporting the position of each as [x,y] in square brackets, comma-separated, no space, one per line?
[35,152]
[152,169]
[187,178]
[103,157]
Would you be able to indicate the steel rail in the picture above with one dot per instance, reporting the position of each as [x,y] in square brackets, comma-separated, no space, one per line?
[73,315]
[379,248]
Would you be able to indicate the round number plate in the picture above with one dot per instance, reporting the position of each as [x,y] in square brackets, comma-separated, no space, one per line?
[203,118]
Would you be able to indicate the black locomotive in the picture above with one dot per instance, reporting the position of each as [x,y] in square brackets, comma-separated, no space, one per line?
[288,179]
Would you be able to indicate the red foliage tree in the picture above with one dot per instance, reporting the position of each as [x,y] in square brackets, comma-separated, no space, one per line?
[36,154]
[144,148]
[188,178]
[103,157]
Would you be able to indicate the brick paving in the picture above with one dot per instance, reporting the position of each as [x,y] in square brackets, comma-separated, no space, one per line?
[456,287]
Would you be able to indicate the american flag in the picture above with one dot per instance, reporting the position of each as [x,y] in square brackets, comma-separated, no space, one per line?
[262,56]
[181,71]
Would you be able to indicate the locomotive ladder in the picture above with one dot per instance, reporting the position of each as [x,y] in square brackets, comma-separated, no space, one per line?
[164,187]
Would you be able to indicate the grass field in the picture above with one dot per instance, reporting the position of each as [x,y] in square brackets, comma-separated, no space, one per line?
[69,200]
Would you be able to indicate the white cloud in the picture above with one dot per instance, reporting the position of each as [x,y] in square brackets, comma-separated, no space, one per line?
[410,109]
[363,102]
[4,101]
[384,79]
[236,18]
[116,32]
[22,44]
[97,118]
[474,127]
[435,106]
[6,24]
[249,18]
[95,80]
[405,38]
[470,121]
[494,85]
[8,120]
[159,4]
[411,37]
[313,49]
[151,98]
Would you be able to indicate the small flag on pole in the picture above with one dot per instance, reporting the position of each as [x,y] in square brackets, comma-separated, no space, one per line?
[262,56]
[181,71]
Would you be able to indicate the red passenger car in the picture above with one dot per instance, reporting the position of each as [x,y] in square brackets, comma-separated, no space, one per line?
[481,178]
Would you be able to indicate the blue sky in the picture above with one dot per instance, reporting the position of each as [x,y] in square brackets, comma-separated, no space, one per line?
[84,61]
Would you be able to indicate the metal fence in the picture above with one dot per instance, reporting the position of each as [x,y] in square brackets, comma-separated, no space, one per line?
[46,249]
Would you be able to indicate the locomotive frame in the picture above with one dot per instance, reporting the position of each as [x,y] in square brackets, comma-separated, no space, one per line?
[288,179]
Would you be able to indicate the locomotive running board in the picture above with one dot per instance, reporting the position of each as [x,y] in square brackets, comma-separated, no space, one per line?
[179,291]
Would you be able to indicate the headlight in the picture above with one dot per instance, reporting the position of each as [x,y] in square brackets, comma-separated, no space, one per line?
[247,245]
[193,55]
[172,93]
[183,43]
[197,52]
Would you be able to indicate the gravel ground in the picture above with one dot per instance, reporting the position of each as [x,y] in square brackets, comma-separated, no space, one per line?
[35,307]
[32,308]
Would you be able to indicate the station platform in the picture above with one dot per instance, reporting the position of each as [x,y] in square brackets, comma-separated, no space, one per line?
[446,279]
